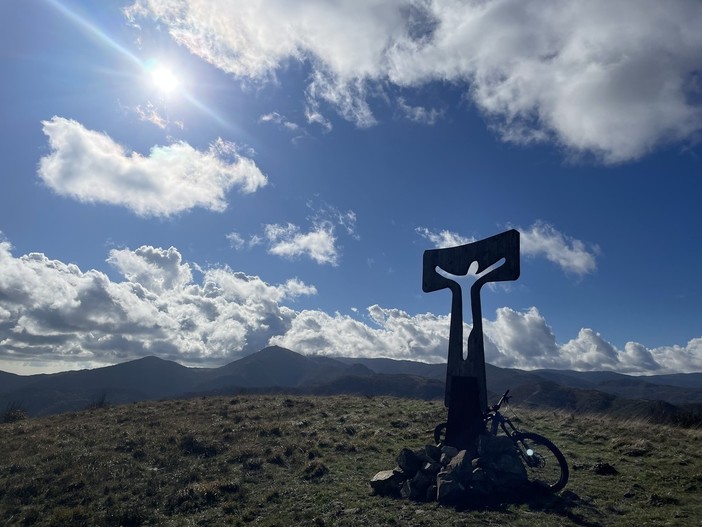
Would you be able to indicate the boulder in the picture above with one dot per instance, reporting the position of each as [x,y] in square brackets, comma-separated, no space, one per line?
[604,469]
[449,490]
[432,468]
[386,483]
[416,488]
[461,467]
[432,453]
[450,451]
[409,461]
[481,482]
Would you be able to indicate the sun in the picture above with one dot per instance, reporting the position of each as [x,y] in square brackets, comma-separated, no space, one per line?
[164,80]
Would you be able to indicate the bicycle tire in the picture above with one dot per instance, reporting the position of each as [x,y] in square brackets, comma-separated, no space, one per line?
[546,466]
[440,433]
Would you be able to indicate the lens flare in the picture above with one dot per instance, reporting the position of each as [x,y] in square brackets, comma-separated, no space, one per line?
[161,77]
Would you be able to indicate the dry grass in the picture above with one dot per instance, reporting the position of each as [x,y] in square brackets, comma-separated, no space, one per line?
[278,460]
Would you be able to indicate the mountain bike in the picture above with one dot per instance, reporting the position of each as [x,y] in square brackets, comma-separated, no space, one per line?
[545,465]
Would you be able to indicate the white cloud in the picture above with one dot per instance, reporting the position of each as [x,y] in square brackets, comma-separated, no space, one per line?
[156,269]
[521,339]
[53,315]
[615,78]
[541,239]
[325,213]
[313,116]
[236,240]
[280,120]
[525,340]
[392,333]
[91,167]
[419,114]
[289,241]
[512,340]
[151,115]
[568,253]
[444,238]
[56,313]
[319,243]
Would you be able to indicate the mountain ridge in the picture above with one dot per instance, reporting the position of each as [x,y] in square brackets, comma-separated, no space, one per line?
[279,369]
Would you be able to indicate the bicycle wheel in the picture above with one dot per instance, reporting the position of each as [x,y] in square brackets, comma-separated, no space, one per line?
[440,433]
[545,464]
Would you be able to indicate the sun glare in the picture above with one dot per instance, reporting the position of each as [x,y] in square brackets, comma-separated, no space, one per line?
[164,80]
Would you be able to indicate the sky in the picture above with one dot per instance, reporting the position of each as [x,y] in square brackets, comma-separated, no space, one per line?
[197,180]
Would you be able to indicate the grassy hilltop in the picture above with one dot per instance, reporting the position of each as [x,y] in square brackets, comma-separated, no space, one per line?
[303,460]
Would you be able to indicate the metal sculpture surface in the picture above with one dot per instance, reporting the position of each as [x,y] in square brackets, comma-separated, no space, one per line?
[466,390]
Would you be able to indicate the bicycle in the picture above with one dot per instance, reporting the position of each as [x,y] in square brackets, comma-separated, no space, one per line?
[545,465]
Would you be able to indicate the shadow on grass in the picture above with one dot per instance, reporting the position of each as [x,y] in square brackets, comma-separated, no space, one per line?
[537,500]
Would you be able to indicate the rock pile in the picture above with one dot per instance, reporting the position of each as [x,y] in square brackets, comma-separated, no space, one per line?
[449,476]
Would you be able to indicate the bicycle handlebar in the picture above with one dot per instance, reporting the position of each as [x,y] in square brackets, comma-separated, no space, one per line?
[503,400]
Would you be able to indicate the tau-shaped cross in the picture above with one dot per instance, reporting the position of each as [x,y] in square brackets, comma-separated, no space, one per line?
[466,390]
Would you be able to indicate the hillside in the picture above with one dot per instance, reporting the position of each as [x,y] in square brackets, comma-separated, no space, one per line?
[305,460]
[667,399]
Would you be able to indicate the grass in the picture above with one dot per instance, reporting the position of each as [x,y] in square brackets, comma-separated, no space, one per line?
[297,460]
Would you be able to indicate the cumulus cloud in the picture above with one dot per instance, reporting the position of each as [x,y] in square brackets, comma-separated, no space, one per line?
[571,255]
[612,78]
[90,166]
[513,339]
[390,333]
[289,241]
[54,315]
[56,312]
[319,243]
[541,239]
[525,340]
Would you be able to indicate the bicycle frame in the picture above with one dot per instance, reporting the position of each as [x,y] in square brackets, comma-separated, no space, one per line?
[498,420]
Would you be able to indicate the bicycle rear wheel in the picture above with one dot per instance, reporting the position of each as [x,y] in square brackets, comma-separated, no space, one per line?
[545,464]
[440,433]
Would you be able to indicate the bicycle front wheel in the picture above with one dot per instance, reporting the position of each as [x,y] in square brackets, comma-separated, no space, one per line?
[545,464]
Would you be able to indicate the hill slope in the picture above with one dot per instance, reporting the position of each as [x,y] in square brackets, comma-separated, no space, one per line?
[304,460]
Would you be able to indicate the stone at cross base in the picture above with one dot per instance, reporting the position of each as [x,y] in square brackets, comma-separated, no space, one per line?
[497,260]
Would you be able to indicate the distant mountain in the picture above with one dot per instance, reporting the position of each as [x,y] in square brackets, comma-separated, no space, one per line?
[683,380]
[548,394]
[399,367]
[138,380]
[10,381]
[153,378]
[279,369]
[676,389]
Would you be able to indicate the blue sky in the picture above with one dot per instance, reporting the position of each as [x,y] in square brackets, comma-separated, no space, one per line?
[197,180]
